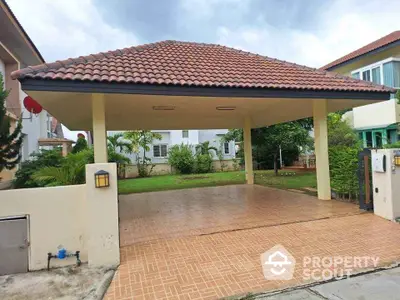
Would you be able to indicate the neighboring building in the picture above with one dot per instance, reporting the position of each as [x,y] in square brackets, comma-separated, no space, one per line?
[18,51]
[159,149]
[378,62]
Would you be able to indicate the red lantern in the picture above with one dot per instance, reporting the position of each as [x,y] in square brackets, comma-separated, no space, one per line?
[32,106]
[81,136]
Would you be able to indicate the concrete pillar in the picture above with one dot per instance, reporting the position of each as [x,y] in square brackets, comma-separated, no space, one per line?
[320,112]
[99,128]
[248,156]
[102,217]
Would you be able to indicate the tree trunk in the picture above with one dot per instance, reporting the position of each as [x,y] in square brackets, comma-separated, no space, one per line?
[276,164]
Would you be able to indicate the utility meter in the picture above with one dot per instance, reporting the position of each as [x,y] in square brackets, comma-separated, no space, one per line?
[386,182]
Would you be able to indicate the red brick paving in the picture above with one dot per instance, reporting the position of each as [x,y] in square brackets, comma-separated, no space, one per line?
[158,215]
[228,263]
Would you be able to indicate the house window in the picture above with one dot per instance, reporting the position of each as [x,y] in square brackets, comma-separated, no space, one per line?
[185,133]
[160,150]
[366,75]
[385,72]
[226,148]
[376,75]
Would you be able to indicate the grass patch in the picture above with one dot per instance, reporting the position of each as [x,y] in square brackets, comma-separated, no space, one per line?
[293,180]
[176,182]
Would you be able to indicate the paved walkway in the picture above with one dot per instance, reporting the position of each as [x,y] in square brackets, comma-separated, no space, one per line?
[228,263]
[373,286]
[193,212]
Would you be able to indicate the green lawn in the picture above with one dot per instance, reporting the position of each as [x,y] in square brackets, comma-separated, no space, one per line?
[286,179]
[173,182]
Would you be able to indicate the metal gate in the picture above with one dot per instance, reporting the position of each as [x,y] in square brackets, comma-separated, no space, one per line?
[13,245]
[365,180]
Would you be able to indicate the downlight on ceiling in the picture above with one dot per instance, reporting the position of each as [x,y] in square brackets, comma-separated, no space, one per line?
[226,107]
[163,107]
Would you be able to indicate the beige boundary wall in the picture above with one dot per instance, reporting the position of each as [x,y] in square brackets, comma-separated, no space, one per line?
[76,217]
[131,171]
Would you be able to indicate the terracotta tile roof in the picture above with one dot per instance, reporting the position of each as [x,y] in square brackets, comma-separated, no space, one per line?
[194,64]
[386,40]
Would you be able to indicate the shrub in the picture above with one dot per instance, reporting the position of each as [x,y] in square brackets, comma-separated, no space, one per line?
[181,158]
[80,145]
[203,163]
[343,164]
[37,161]
[393,145]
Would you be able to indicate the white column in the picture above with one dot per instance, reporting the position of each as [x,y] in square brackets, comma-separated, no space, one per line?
[320,112]
[248,157]
[99,128]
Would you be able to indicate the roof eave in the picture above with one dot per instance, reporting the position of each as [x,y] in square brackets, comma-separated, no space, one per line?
[351,60]
[46,85]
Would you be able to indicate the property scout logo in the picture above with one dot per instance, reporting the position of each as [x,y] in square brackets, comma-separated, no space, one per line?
[278,264]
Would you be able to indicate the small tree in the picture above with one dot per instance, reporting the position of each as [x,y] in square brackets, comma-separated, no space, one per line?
[80,145]
[10,143]
[141,140]
[116,142]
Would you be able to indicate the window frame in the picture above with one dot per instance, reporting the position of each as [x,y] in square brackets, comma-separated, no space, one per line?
[160,146]
[373,66]
[229,149]
[183,135]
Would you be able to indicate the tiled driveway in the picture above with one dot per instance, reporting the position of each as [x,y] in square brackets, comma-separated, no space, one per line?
[160,215]
[191,261]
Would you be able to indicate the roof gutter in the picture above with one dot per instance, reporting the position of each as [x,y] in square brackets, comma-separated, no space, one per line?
[172,90]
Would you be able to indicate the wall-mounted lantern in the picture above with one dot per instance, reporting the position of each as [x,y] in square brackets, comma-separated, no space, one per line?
[102,179]
[397,159]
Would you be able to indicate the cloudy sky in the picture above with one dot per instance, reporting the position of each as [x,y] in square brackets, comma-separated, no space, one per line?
[309,32]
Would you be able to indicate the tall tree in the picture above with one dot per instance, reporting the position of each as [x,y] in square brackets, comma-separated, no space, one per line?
[285,136]
[281,136]
[10,142]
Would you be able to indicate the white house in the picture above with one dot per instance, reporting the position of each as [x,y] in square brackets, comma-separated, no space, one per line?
[159,149]
[18,51]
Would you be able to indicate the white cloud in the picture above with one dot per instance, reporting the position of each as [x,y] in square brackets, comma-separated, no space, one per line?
[62,29]
[346,26]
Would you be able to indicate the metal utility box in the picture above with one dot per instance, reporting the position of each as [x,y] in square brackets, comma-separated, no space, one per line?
[386,183]
[13,245]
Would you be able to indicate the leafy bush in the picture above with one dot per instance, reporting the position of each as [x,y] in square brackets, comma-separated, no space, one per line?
[49,168]
[37,161]
[343,164]
[181,158]
[391,146]
[71,171]
[203,163]
[80,145]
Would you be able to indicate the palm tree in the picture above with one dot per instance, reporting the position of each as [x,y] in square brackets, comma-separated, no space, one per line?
[205,148]
[71,171]
[116,141]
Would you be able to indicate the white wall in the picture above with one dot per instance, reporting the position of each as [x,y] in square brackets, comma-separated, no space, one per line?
[2,69]
[375,115]
[78,218]
[56,219]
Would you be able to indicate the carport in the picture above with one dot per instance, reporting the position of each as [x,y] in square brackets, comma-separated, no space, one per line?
[183,85]
[204,243]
